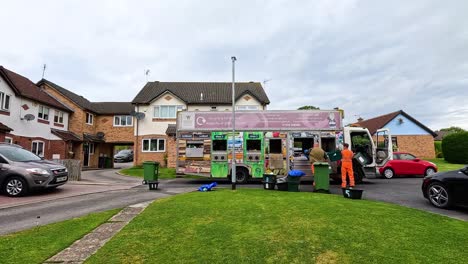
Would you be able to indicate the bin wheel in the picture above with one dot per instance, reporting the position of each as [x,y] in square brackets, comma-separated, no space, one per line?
[144,182]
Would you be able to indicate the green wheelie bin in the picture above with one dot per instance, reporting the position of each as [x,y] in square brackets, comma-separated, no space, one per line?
[150,172]
[322,177]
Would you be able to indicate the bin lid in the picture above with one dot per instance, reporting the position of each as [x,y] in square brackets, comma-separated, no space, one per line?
[150,162]
[321,163]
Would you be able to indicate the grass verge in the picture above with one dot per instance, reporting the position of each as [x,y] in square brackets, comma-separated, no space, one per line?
[164,173]
[443,165]
[258,226]
[38,244]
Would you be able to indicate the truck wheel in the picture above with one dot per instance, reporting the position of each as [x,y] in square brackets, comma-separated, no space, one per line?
[242,175]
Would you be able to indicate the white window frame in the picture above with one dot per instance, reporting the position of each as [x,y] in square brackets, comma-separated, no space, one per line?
[41,112]
[89,118]
[158,141]
[37,147]
[120,118]
[3,99]
[247,107]
[9,140]
[59,115]
[157,111]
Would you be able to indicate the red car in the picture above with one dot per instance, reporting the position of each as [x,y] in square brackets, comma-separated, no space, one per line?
[407,164]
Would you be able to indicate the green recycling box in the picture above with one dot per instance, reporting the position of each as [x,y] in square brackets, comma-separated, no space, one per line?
[322,177]
[150,171]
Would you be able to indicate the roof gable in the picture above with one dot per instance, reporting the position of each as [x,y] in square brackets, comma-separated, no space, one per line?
[381,121]
[190,92]
[79,100]
[22,86]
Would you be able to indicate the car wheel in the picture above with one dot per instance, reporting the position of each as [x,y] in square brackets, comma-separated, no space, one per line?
[429,171]
[388,173]
[438,195]
[15,186]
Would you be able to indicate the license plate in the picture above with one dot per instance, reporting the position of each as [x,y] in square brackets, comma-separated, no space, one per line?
[61,179]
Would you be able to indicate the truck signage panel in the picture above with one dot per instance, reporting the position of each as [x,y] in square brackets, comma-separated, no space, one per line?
[260,121]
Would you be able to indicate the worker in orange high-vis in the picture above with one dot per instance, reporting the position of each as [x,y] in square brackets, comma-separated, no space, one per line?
[347,166]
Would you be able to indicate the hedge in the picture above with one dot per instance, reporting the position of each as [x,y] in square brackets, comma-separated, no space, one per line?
[455,147]
[438,149]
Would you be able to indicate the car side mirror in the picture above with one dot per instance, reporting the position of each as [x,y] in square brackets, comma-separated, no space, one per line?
[417,160]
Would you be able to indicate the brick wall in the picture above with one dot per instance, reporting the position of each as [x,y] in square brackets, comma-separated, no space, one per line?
[50,146]
[77,119]
[420,145]
[105,123]
[141,156]
[171,148]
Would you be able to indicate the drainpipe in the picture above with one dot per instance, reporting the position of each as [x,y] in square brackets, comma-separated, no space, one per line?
[135,151]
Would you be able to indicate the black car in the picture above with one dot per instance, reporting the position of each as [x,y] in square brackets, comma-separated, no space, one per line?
[445,189]
[124,155]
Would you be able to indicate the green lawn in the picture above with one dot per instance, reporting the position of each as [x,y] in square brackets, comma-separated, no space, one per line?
[258,226]
[164,173]
[443,165]
[38,244]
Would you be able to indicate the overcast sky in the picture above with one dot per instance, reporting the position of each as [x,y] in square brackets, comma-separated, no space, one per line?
[367,57]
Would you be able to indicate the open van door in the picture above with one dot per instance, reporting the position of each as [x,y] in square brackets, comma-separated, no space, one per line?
[384,144]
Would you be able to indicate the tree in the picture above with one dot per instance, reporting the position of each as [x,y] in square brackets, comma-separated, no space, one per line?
[308,107]
[453,129]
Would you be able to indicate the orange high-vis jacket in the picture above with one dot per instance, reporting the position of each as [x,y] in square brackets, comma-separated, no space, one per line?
[347,156]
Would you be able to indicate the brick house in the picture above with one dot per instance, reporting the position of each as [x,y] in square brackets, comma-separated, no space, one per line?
[100,126]
[408,134]
[160,102]
[31,118]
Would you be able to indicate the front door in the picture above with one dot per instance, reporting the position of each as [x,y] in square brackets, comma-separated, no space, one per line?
[86,154]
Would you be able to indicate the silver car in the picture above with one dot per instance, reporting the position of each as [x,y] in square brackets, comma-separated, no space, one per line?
[22,171]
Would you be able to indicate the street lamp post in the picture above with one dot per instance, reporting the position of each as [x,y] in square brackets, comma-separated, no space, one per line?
[233,170]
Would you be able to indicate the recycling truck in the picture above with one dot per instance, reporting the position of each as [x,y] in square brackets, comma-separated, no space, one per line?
[272,142]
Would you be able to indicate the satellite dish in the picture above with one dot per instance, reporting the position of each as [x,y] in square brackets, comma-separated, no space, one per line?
[29,117]
[133,113]
[140,115]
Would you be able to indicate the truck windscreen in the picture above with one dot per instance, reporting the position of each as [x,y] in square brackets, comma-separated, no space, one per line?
[254,145]
[219,145]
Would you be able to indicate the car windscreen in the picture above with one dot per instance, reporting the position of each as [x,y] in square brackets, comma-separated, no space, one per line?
[125,152]
[18,154]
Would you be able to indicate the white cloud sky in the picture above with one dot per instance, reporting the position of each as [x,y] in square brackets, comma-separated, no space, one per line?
[367,57]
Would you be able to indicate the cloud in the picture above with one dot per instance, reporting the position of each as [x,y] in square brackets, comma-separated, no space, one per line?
[367,57]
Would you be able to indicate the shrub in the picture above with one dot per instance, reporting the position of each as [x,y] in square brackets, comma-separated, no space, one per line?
[438,149]
[455,147]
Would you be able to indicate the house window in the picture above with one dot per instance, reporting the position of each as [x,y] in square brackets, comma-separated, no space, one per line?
[89,118]
[123,121]
[38,148]
[8,140]
[4,101]
[167,111]
[43,112]
[154,145]
[91,148]
[246,107]
[58,117]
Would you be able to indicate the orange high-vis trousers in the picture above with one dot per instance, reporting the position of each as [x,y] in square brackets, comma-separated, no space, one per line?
[347,168]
